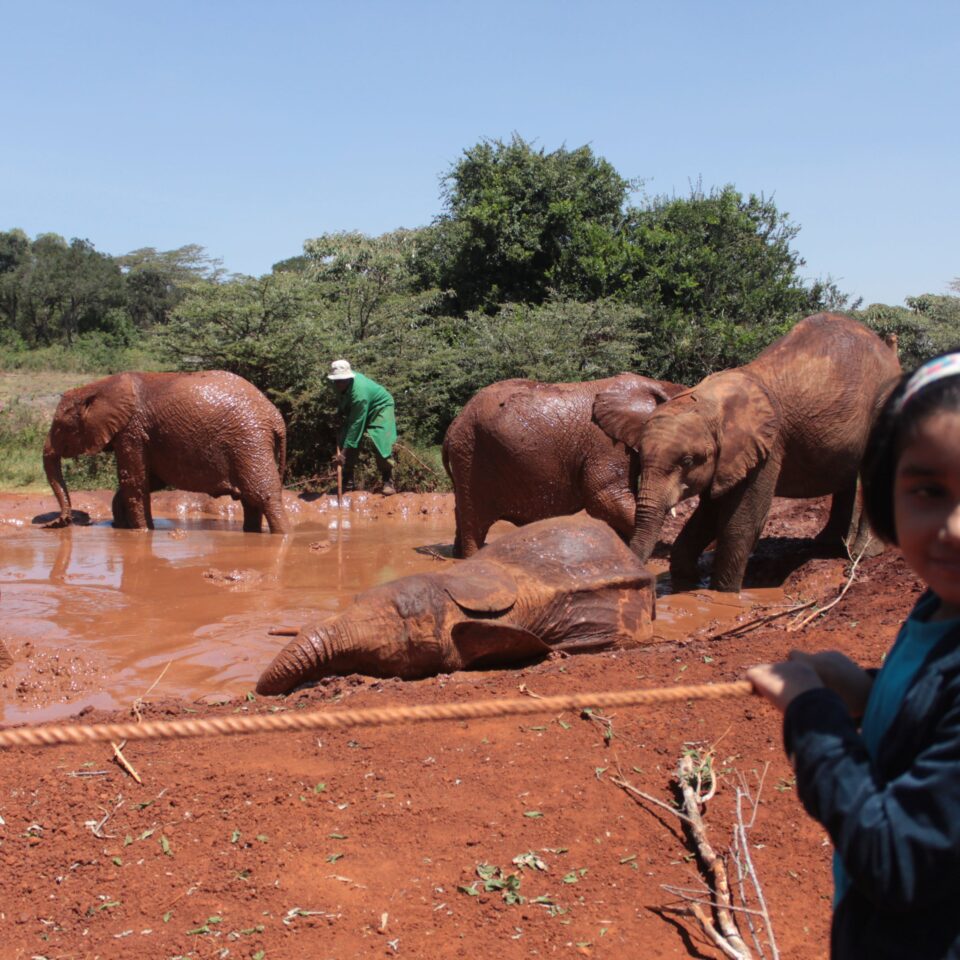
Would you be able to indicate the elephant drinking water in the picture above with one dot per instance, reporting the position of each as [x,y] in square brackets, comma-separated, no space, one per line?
[210,432]
[791,423]
[522,450]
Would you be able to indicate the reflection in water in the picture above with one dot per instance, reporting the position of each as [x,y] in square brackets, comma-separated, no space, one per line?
[94,615]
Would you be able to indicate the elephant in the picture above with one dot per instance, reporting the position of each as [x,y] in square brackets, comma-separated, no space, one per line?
[791,423]
[209,432]
[566,583]
[522,450]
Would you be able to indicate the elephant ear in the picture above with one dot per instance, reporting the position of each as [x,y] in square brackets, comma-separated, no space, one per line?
[105,408]
[482,587]
[747,431]
[487,643]
[621,414]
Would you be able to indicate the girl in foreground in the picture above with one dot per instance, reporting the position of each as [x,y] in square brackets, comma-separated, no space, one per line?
[877,755]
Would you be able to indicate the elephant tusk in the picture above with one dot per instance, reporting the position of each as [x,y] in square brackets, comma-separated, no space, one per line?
[673,511]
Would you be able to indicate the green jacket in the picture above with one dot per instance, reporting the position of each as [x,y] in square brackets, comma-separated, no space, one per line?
[367,408]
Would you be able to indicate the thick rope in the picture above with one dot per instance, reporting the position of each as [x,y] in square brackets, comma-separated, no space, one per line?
[371,717]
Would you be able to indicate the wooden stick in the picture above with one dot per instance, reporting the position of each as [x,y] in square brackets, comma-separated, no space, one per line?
[339,480]
[122,760]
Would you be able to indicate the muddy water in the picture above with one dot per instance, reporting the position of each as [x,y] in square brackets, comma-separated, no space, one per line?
[97,616]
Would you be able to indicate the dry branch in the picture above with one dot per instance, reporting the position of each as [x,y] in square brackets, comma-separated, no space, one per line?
[793,627]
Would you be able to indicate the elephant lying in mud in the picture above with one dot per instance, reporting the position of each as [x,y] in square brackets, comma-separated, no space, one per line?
[791,423]
[522,450]
[210,432]
[567,583]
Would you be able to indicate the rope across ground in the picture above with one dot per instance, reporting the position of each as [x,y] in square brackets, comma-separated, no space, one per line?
[371,717]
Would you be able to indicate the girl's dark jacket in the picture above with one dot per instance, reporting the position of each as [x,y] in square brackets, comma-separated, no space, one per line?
[894,823]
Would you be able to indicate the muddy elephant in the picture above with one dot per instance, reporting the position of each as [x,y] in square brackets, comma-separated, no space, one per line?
[567,583]
[521,450]
[210,432]
[791,423]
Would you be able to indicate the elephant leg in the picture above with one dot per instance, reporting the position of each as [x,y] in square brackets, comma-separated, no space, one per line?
[741,519]
[117,508]
[841,526]
[693,539]
[616,508]
[134,487]
[276,515]
[859,538]
[472,529]
[252,518]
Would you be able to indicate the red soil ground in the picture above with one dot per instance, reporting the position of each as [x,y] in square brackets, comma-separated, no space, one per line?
[367,843]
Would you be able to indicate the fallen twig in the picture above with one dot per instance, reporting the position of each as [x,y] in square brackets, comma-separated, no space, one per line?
[410,453]
[793,627]
[744,863]
[318,479]
[122,760]
[690,776]
[97,825]
[633,791]
[431,552]
[761,620]
[138,703]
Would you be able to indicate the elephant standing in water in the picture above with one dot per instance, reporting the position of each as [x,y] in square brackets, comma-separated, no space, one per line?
[522,450]
[791,423]
[210,432]
[568,583]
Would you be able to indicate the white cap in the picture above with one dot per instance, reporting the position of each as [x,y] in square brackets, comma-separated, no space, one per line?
[340,370]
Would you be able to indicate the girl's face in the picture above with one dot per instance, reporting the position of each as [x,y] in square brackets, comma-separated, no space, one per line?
[926,507]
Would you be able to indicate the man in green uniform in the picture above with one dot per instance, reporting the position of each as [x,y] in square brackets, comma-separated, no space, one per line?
[366,409]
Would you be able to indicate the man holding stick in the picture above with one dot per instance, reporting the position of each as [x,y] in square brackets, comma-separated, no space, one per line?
[366,409]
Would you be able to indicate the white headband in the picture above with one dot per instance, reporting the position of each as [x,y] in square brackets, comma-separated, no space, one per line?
[932,370]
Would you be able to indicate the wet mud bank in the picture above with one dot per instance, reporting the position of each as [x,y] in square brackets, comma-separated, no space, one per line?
[371,843]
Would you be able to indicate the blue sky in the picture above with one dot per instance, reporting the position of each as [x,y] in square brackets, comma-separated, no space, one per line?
[250,127]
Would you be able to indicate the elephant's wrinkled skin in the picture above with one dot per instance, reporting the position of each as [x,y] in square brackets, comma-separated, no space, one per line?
[522,450]
[568,583]
[210,432]
[792,423]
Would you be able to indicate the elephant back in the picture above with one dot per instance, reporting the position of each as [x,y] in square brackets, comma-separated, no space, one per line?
[569,553]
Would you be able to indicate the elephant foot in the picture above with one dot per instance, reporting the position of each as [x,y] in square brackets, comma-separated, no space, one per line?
[58,523]
[685,577]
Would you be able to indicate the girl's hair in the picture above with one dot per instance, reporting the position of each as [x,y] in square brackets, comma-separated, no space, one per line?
[932,387]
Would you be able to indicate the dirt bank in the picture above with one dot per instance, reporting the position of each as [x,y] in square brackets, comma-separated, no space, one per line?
[368,843]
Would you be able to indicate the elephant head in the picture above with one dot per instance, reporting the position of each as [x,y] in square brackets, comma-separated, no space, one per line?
[86,421]
[567,583]
[703,441]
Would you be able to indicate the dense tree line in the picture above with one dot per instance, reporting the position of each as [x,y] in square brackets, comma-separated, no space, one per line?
[539,265]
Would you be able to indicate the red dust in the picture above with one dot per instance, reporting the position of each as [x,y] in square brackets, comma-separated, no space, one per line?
[367,843]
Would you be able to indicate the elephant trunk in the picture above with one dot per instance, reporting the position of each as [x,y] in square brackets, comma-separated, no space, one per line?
[648,521]
[326,649]
[53,468]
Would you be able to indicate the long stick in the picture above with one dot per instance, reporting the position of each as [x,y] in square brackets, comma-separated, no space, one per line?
[339,480]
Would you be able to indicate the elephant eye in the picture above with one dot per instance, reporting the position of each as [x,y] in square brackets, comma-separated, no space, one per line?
[686,461]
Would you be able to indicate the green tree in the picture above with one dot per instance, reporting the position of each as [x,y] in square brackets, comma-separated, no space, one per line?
[717,279]
[521,223]
[64,289]
[929,324]
[269,330]
[155,280]
[361,276]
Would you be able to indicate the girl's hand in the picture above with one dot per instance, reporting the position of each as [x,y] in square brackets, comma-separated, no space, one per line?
[780,683]
[844,677]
